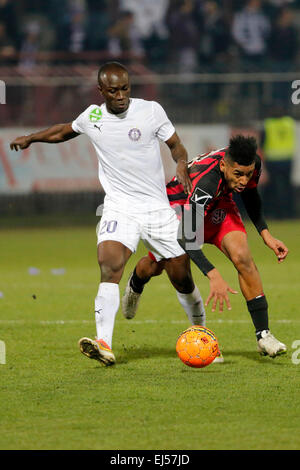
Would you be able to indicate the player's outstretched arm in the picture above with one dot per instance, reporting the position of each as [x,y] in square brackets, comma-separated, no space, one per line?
[279,248]
[179,155]
[52,135]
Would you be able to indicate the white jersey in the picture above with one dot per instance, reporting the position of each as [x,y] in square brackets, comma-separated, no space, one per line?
[127,145]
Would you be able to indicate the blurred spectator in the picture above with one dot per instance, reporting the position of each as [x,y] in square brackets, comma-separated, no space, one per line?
[279,146]
[184,35]
[149,15]
[149,19]
[8,16]
[7,47]
[38,35]
[30,45]
[283,41]
[215,37]
[71,31]
[281,3]
[251,30]
[124,36]
[77,30]
[56,10]
[283,51]
[97,24]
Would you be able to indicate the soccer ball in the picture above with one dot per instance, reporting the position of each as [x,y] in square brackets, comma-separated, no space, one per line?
[197,346]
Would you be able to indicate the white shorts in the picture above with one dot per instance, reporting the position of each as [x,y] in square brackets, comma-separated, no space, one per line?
[157,229]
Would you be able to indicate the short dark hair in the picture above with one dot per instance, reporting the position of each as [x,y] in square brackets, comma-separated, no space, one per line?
[242,150]
[110,66]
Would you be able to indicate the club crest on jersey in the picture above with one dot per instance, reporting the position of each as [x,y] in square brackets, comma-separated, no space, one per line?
[95,115]
[200,197]
[134,134]
[218,216]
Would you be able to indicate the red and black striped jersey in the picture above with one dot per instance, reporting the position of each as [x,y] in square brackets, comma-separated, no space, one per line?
[208,181]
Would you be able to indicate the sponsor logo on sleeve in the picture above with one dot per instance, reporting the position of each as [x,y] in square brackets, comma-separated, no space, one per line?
[95,115]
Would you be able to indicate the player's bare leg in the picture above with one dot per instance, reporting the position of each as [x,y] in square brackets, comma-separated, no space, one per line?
[180,275]
[148,267]
[236,248]
[112,258]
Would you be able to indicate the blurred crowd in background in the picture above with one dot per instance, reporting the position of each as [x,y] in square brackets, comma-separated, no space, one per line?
[50,52]
[168,36]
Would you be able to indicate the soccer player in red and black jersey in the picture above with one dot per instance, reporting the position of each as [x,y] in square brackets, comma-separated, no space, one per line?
[215,177]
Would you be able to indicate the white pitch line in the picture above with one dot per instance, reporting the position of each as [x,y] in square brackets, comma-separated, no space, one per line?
[133,322]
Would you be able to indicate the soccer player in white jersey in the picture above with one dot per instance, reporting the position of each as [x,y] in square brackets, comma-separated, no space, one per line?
[125,133]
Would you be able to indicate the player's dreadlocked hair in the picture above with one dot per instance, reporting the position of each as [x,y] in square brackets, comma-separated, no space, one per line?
[242,150]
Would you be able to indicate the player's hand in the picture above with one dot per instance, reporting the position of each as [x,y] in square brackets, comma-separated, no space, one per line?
[279,248]
[183,176]
[20,143]
[218,291]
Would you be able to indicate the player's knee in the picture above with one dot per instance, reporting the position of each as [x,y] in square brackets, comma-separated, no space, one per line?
[111,271]
[242,260]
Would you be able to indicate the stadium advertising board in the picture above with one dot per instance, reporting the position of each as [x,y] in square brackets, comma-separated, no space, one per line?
[72,166]
[69,166]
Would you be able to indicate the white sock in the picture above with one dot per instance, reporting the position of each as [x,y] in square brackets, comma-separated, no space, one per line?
[193,306]
[107,304]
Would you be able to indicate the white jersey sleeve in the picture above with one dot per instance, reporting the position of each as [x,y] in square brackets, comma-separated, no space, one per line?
[80,123]
[164,129]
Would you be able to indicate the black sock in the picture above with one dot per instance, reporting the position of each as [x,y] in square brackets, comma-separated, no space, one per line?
[136,283]
[258,309]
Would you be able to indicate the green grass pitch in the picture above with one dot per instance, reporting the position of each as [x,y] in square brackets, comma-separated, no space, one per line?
[52,397]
